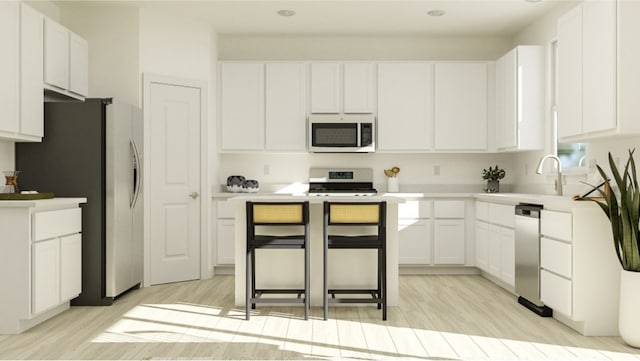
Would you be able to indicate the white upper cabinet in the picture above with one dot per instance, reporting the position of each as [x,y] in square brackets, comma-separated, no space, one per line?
[325,88]
[570,73]
[342,88]
[598,80]
[65,61]
[241,106]
[78,65]
[32,73]
[56,54]
[405,106]
[520,99]
[21,71]
[460,106]
[285,103]
[598,66]
[9,66]
[359,88]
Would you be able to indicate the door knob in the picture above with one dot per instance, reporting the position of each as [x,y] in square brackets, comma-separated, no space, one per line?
[194,195]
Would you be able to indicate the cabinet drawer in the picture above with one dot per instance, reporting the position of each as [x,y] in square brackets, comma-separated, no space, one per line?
[555,256]
[225,209]
[414,209]
[555,292]
[556,225]
[482,211]
[56,223]
[448,209]
[502,214]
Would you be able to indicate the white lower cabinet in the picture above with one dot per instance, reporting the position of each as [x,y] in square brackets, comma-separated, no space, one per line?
[415,232]
[449,234]
[225,233]
[495,241]
[57,272]
[482,246]
[56,258]
[449,245]
[494,250]
[415,237]
[507,256]
[226,240]
[555,292]
[45,258]
[70,266]
[40,260]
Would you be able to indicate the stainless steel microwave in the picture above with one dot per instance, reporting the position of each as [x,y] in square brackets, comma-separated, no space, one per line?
[345,133]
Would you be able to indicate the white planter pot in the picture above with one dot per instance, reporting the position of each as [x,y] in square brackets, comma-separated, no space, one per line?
[393,185]
[629,318]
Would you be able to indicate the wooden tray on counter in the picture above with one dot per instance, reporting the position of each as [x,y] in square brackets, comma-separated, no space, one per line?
[24,197]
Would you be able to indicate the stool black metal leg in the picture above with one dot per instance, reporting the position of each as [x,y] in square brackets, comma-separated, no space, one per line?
[384,283]
[325,254]
[306,278]
[248,290]
[253,277]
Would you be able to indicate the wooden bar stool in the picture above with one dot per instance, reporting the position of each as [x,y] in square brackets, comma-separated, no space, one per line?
[356,214]
[264,214]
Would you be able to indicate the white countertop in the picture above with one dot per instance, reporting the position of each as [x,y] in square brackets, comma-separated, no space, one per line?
[37,203]
[548,200]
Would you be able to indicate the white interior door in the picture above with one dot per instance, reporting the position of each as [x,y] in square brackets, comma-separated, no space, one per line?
[174,183]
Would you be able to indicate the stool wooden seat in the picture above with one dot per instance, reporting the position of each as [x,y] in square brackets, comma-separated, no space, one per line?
[268,214]
[356,214]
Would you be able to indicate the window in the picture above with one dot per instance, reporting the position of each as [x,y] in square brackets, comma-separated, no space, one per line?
[572,155]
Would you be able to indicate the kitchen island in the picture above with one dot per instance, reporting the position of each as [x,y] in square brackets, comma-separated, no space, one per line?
[284,268]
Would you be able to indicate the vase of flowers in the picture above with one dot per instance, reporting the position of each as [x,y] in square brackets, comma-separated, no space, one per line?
[493,176]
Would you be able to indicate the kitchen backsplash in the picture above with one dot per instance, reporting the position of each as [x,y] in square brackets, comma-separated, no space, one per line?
[7,156]
[416,169]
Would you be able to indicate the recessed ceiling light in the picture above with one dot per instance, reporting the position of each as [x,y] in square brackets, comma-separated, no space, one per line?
[436,12]
[533,1]
[286,12]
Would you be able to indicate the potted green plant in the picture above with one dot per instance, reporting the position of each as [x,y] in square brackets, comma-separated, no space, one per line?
[493,176]
[622,207]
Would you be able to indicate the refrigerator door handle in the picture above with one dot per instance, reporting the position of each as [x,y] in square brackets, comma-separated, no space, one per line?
[137,173]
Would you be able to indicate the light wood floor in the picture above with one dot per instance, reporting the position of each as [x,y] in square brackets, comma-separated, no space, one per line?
[439,317]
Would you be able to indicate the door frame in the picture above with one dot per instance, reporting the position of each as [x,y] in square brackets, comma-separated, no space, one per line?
[206,268]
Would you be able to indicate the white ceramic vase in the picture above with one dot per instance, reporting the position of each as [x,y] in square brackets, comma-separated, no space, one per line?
[629,317]
[393,186]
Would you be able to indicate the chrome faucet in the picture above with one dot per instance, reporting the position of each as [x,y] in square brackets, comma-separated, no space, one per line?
[559,180]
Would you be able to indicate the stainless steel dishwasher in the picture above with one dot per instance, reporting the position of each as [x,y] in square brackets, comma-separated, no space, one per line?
[527,258]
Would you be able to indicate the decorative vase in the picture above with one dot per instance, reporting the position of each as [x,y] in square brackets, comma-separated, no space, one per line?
[234,183]
[250,186]
[629,316]
[493,186]
[393,186]
[11,181]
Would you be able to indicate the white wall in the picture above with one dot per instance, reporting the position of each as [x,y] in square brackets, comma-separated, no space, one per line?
[112,33]
[7,158]
[174,46]
[343,47]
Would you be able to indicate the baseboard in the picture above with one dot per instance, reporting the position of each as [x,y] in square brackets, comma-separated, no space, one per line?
[436,270]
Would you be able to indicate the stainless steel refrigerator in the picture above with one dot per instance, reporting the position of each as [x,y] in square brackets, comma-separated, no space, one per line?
[93,149]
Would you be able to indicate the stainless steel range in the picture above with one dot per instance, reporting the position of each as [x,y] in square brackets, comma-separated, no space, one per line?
[341,182]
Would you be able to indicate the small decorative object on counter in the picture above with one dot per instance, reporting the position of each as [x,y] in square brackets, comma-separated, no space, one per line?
[392,179]
[234,183]
[493,176]
[11,184]
[250,186]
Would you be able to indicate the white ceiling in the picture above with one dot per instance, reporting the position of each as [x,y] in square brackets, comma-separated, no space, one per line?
[392,17]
